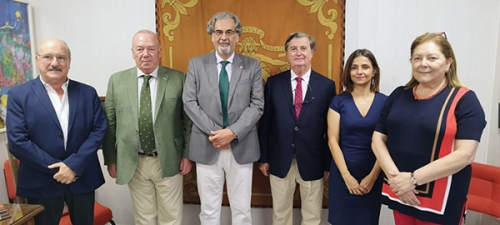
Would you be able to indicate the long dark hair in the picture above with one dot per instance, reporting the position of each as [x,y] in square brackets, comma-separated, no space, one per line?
[347,84]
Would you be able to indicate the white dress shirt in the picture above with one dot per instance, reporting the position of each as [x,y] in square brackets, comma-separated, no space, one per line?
[305,82]
[229,66]
[61,106]
[152,88]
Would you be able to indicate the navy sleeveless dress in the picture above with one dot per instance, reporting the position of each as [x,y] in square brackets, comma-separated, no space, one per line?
[355,142]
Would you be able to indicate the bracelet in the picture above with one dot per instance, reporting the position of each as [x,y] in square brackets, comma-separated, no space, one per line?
[413,180]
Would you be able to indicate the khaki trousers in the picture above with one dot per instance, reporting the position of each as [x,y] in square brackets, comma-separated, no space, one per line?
[156,200]
[311,196]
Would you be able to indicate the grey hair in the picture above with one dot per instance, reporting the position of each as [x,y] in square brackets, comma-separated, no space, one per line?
[293,35]
[222,16]
[146,32]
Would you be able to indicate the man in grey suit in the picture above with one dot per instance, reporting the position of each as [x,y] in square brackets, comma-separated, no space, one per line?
[223,96]
[147,99]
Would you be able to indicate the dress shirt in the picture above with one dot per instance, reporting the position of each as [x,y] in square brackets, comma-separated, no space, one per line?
[229,66]
[305,83]
[152,88]
[61,106]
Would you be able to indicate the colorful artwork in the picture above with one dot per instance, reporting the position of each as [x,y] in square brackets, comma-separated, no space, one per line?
[16,65]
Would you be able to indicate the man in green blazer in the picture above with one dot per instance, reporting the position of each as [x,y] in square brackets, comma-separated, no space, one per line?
[140,100]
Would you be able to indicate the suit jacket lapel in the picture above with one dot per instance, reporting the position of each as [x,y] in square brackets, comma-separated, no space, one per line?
[286,86]
[41,93]
[312,85]
[73,97]
[130,80]
[237,70]
[213,76]
[161,83]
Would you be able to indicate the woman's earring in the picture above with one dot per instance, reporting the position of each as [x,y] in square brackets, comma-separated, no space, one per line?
[373,80]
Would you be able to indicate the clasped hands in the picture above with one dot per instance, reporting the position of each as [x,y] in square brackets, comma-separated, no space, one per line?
[221,139]
[358,188]
[401,186]
[65,175]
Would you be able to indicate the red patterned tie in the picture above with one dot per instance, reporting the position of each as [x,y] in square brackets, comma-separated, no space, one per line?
[298,97]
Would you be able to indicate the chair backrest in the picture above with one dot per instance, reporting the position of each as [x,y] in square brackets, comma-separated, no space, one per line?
[484,190]
[9,180]
[12,164]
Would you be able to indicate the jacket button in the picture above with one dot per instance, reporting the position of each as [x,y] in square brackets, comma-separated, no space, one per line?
[293,145]
[135,146]
[296,128]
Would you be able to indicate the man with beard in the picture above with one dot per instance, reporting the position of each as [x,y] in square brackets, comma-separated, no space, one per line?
[223,96]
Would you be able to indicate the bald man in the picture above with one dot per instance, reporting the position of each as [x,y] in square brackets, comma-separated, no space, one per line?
[55,127]
[140,101]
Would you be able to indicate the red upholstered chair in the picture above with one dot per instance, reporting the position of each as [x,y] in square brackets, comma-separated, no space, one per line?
[102,214]
[9,181]
[484,190]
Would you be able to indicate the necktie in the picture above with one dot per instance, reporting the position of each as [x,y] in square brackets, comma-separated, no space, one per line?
[146,134]
[224,91]
[298,97]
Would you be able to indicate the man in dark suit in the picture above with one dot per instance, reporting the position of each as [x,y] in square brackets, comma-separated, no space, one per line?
[147,140]
[293,133]
[55,127]
[223,96]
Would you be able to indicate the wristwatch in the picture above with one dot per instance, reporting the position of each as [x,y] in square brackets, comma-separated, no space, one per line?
[413,180]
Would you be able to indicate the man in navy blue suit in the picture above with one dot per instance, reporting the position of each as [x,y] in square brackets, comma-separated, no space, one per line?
[55,127]
[293,131]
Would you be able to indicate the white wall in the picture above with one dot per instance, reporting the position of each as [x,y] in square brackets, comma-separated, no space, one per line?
[388,28]
[100,32]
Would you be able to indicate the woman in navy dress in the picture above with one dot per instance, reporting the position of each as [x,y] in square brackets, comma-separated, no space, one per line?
[427,137]
[355,184]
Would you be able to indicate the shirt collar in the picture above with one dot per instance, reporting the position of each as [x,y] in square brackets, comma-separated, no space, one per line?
[219,59]
[153,74]
[45,84]
[305,77]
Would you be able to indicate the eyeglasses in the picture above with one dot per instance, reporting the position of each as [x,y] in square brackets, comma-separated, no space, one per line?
[50,58]
[305,102]
[442,34]
[228,33]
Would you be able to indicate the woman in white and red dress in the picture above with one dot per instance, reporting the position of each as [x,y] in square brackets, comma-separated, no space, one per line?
[427,137]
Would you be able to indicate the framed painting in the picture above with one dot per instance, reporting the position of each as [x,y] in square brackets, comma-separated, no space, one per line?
[17,64]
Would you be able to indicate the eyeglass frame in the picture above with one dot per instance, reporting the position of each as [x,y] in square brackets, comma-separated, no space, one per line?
[228,33]
[59,58]
[305,102]
[443,34]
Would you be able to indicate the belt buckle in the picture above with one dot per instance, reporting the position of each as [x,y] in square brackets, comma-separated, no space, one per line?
[151,154]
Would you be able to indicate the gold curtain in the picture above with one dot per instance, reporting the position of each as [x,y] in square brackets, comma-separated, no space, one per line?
[266,25]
